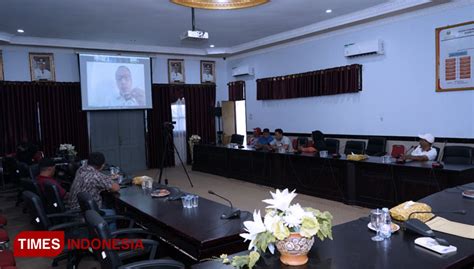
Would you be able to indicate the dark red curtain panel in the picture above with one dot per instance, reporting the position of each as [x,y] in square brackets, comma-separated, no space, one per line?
[200,103]
[61,117]
[18,114]
[162,96]
[236,90]
[338,80]
[50,108]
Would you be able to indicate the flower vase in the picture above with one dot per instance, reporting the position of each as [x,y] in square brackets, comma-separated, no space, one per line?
[191,151]
[294,249]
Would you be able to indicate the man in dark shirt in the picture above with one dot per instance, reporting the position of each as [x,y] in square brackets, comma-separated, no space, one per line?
[89,179]
[47,170]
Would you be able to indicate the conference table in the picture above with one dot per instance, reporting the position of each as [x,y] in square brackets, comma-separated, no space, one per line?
[352,246]
[192,234]
[370,183]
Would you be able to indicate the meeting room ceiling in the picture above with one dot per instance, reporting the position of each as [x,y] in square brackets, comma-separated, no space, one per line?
[160,23]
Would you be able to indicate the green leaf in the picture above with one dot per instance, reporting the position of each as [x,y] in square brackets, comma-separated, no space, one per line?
[253,258]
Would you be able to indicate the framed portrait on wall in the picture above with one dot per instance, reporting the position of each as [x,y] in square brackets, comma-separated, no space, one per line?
[208,72]
[1,66]
[176,71]
[42,67]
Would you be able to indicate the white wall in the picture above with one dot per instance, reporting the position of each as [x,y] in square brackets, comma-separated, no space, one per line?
[16,66]
[398,96]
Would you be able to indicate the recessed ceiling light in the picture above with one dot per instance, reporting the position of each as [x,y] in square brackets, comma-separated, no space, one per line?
[328,10]
[212,46]
[20,31]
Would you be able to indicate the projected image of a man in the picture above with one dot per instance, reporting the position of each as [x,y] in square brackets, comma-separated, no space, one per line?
[127,94]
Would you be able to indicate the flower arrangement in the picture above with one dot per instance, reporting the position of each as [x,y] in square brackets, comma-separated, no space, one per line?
[68,149]
[194,139]
[281,222]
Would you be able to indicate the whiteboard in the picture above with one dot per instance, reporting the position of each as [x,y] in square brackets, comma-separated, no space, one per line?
[455,57]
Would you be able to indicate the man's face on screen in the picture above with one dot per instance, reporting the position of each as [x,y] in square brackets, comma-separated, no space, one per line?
[123,77]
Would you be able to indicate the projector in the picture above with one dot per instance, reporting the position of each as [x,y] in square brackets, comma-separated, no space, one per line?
[194,35]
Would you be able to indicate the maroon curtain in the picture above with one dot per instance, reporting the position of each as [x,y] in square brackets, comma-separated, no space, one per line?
[338,80]
[61,117]
[200,119]
[162,97]
[236,90]
[200,103]
[50,110]
[18,114]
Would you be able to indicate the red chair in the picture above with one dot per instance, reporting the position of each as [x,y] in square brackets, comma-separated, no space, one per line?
[397,151]
[4,239]
[6,259]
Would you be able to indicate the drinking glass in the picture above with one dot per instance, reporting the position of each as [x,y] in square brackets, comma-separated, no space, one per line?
[323,154]
[376,221]
[186,200]
[195,201]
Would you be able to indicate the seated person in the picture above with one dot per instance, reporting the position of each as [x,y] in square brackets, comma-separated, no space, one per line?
[318,144]
[256,135]
[47,170]
[90,179]
[264,140]
[424,152]
[280,142]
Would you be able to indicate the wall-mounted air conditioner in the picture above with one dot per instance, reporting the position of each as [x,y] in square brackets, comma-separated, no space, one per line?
[244,70]
[364,48]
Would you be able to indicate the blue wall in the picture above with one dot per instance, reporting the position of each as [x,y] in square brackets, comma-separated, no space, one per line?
[398,96]
[16,66]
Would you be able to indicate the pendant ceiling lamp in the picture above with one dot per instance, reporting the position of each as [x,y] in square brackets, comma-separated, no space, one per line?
[220,4]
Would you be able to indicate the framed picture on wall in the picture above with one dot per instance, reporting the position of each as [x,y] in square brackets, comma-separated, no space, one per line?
[1,66]
[176,71]
[42,67]
[208,72]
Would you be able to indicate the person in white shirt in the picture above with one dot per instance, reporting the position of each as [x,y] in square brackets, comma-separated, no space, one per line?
[176,74]
[207,76]
[40,72]
[281,143]
[127,95]
[424,151]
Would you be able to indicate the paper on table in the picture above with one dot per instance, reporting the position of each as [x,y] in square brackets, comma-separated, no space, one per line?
[450,227]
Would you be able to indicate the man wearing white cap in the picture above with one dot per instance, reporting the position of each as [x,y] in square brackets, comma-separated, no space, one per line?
[424,152]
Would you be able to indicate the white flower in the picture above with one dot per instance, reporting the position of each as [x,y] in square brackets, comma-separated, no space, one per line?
[253,228]
[270,220]
[281,199]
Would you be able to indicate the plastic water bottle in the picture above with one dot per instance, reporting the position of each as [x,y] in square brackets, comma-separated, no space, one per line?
[386,228]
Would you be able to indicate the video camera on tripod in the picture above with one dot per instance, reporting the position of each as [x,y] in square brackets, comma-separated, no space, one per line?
[169,125]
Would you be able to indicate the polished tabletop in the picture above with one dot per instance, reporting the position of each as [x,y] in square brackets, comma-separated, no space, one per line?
[370,159]
[353,248]
[200,226]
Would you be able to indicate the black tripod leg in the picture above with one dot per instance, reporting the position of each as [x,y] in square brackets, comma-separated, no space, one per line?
[184,167]
[163,156]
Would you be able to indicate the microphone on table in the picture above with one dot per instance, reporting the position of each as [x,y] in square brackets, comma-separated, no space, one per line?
[234,213]
[419,227]
[400,161]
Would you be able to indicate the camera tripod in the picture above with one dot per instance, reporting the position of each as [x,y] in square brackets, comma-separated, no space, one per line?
[168,130]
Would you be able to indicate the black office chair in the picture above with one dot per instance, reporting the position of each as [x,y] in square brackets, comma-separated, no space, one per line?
[457,155]
[237,139]
[86,202]
[302,141]
[110,259]
[71,227]
[34,171]
[376,146]
[332,145]
[438,150]
[356,147]
[54,203]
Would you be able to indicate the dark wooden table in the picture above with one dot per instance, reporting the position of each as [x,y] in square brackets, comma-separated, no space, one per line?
[368,183]
[196,233]
[353,248]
